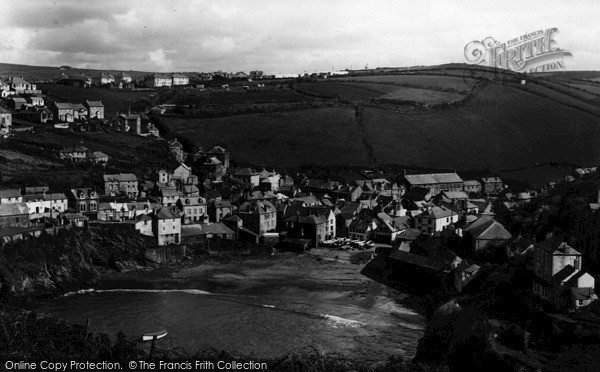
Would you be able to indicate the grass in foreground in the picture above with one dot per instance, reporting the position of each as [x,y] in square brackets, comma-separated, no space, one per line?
[27,337]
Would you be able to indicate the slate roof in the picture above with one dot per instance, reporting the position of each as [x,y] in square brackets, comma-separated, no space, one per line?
[97,155]
[489,230]
[63,105]
[455,195]
[205,228]
[10,193]
[212,160]
[491,179]
[165,213]
[439,212]
[192,201]
[309,220]
[409,234]
[433,178]
[256,206]
[245,172]
[69,150]
[13,209]
[421,261]
[472,183]
[143,217]
[129,116]
[94,103]
[74,216]
[121,177]
[557,247]
[189,189]
[217,149]
[582,293]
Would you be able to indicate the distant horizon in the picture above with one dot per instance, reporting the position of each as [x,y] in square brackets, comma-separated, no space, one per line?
[283,37]
[269,73]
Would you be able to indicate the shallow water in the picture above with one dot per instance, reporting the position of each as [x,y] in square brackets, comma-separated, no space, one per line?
[261,326]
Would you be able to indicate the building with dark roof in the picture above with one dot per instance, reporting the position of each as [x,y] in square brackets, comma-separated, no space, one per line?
[122,183]
[485,233]
[435,219]
[14,214]
[202,232]
[5,122]
[63,112]
[435,182]
[166,226]
[492,185]
[95,109]
[311,227]
[558,275]
[85,201]
[10,196]
[258,216]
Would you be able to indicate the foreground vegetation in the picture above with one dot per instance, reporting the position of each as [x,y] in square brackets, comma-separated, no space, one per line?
[32,338]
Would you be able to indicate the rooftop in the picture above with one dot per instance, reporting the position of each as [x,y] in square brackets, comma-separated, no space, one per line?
[432,178]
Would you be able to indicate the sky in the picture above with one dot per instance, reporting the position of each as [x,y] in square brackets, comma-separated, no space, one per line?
[281,36]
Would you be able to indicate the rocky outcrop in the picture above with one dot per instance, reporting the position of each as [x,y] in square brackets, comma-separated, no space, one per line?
[50,265]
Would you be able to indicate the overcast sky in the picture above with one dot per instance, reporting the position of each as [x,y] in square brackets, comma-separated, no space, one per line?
[281,36]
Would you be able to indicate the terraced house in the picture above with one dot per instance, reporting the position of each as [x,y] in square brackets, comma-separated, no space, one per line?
[130,123]
[10,196]
[435,182]
[492,185]
[158,80]
[84,201]
[122,183]
[41,206]
[63,112]
[5,122]
[180,79]
[74,154]
[435,220]
[166,226]
[95,109]
[258,216]
[194,209]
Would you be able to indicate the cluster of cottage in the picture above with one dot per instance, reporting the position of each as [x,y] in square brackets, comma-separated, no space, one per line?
[203,198]
[32,106]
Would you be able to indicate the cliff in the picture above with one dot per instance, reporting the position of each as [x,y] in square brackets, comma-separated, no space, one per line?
[51,265]
[499,325]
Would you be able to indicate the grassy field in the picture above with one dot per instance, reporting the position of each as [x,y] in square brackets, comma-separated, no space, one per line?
[49,72]
[369,90]
[220,97]
[561,97]
[423,95]
[592,88]
[423,81]
[503,128]
[32,158]
[354,91]
[322,136]
[114,100]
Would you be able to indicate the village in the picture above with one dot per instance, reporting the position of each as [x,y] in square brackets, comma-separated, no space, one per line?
[438,226]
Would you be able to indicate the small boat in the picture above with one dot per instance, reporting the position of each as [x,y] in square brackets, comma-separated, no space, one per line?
[158,335]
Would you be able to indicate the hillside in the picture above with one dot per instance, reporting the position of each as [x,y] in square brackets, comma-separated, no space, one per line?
[454,116]
[452,119]
[46,73]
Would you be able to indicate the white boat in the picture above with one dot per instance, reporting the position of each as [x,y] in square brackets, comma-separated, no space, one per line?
[158,335]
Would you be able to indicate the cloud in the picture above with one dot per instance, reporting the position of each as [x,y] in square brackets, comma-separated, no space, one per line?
[159,58]
[274,36]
